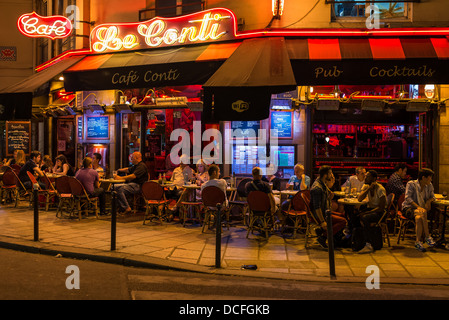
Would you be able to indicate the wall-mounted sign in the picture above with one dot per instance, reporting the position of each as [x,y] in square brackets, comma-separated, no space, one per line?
[53,27]
[18,135]
[282,121]
[200,27]
[97,127]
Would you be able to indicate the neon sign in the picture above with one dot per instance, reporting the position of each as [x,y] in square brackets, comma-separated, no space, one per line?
[201,27]
[53,27]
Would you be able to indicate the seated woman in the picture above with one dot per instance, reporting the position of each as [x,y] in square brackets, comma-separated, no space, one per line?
[46,164]
[63,167]
[202,176]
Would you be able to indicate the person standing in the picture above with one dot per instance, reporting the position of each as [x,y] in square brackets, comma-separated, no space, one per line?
[419,195]
[89,178]
[137,174]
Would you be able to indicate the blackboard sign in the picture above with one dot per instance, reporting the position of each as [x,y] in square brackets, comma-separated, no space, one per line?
[282,121]
[18,136]
[98,127]
[245,126]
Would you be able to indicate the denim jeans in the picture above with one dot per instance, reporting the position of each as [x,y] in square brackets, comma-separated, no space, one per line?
[123,190]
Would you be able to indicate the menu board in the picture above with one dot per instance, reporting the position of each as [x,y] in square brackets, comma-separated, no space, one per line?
[98,127]
[246,126]
[282,121]
[18,136]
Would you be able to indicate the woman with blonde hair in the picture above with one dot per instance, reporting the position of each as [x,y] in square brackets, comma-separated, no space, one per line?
[21,159]
[202,175]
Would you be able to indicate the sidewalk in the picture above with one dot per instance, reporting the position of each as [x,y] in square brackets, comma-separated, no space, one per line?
[185,248]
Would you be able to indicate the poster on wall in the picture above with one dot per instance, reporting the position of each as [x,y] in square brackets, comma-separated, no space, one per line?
[18,137]
[98,127]
[282,121]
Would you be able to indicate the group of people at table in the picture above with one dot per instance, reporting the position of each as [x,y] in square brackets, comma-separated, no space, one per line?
[419,193]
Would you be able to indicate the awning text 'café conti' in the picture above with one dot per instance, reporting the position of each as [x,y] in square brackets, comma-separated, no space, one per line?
[201,27]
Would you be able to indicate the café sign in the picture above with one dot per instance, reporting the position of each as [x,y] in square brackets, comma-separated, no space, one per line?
[201,27]
[53,27]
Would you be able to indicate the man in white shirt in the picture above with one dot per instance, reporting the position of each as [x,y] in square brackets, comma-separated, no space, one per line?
[214,174]
[356,181]
[178,178]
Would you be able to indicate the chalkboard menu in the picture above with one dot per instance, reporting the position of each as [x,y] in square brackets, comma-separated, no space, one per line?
[18,135]
[98,127]
[282,121]
[246,126]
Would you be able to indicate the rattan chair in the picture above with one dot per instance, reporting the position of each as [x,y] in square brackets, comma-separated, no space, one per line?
[83,201]
[66,200]
[296,213]
[154,196]
[211,196]
[260,216]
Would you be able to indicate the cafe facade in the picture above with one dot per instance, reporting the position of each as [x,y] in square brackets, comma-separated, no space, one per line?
[343,97]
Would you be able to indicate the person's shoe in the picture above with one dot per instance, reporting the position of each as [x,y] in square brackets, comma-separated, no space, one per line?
[430,242]
[367,249]
[322,241]
[420,247]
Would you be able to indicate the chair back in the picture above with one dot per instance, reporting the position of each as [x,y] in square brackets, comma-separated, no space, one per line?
[387,211]
[16,167]
[152,190]
[19,183]
[62,185]
[298,203]
[401,201]
[32,178]
[76,187]
[8,179]
[47,182]
[241,188]
[212,195]
[259,201]
[306,197]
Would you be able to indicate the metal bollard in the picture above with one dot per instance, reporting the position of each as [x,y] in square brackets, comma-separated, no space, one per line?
[330,243]
[113,221]
[36,211]
[218,238]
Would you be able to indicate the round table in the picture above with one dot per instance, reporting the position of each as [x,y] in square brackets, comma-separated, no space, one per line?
[352,201]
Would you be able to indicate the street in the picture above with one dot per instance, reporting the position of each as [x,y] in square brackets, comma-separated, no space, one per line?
[28,276]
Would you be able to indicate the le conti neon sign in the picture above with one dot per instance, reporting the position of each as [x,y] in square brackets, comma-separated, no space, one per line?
[201,27]
[53,27]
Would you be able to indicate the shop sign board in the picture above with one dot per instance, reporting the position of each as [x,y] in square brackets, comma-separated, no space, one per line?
[212,25]
[36,26]
[97,127]
[18,135]
[282,121]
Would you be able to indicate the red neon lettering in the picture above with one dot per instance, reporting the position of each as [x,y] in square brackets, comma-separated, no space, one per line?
[53,27]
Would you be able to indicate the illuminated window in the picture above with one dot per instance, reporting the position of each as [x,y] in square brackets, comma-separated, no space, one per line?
[349,9]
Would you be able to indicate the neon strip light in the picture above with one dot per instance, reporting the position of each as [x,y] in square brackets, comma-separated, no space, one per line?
[36,26]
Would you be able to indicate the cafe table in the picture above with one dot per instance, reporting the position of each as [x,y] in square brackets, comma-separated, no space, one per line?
[443,204]
[339,193]
[352,201]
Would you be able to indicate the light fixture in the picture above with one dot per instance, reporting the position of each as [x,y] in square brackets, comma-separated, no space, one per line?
[95,108]
[402,93]
[336,93]
[277,6]
[429,90]
[373,105]
[418,106]
[328,104]
[61,78]
[173,102]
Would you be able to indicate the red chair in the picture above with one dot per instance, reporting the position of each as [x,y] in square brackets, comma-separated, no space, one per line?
[296,212]
[154,196]
[311,222]
[82,199]
[66,200]
[21,191]
[8,185]
[259,211]
[404,222]
[49,194]
[211,196]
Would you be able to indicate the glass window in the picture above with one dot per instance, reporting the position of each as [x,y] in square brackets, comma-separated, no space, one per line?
[389,10]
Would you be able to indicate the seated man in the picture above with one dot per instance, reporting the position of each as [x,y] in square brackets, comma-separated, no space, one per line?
[356,181]
[96,165]
[377,199]
[299,181]
[258,185]
[89,178]
[180,175]
[320,202]
[418,198]
[214,175]
[31,166]
[137,175]
[395,184]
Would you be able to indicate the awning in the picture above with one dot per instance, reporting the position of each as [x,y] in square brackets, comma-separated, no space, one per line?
[33,82]
[417,60]
[241,89]
[151,68]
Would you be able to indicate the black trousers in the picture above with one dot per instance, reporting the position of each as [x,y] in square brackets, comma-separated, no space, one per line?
[99,192]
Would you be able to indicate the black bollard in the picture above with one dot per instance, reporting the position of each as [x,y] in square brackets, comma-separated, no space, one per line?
[330,243]
[218,238]
[36,211]
[113,221]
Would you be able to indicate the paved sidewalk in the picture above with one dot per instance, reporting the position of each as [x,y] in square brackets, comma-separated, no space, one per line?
[173,246]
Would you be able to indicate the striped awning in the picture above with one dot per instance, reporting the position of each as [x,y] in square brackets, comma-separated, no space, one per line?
[151,68]
[417,60]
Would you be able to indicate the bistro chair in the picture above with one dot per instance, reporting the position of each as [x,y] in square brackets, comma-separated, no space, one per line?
[211,196]
[154,196]
[66,200]
[311,222]
[187,206]
[21,191]
[8,186]
[382,223]
[49,194]
[242,202]
[296,213]
[403,222]
[81,198]
[260,216]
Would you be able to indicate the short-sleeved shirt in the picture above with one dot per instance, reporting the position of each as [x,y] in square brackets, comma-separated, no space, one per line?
[220,183]
[374,200]
[140,171]
[27,167]
[395,185]
[296,182]
[87,177]
[354,182]
[257,185]
[178,175]
[413,192]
